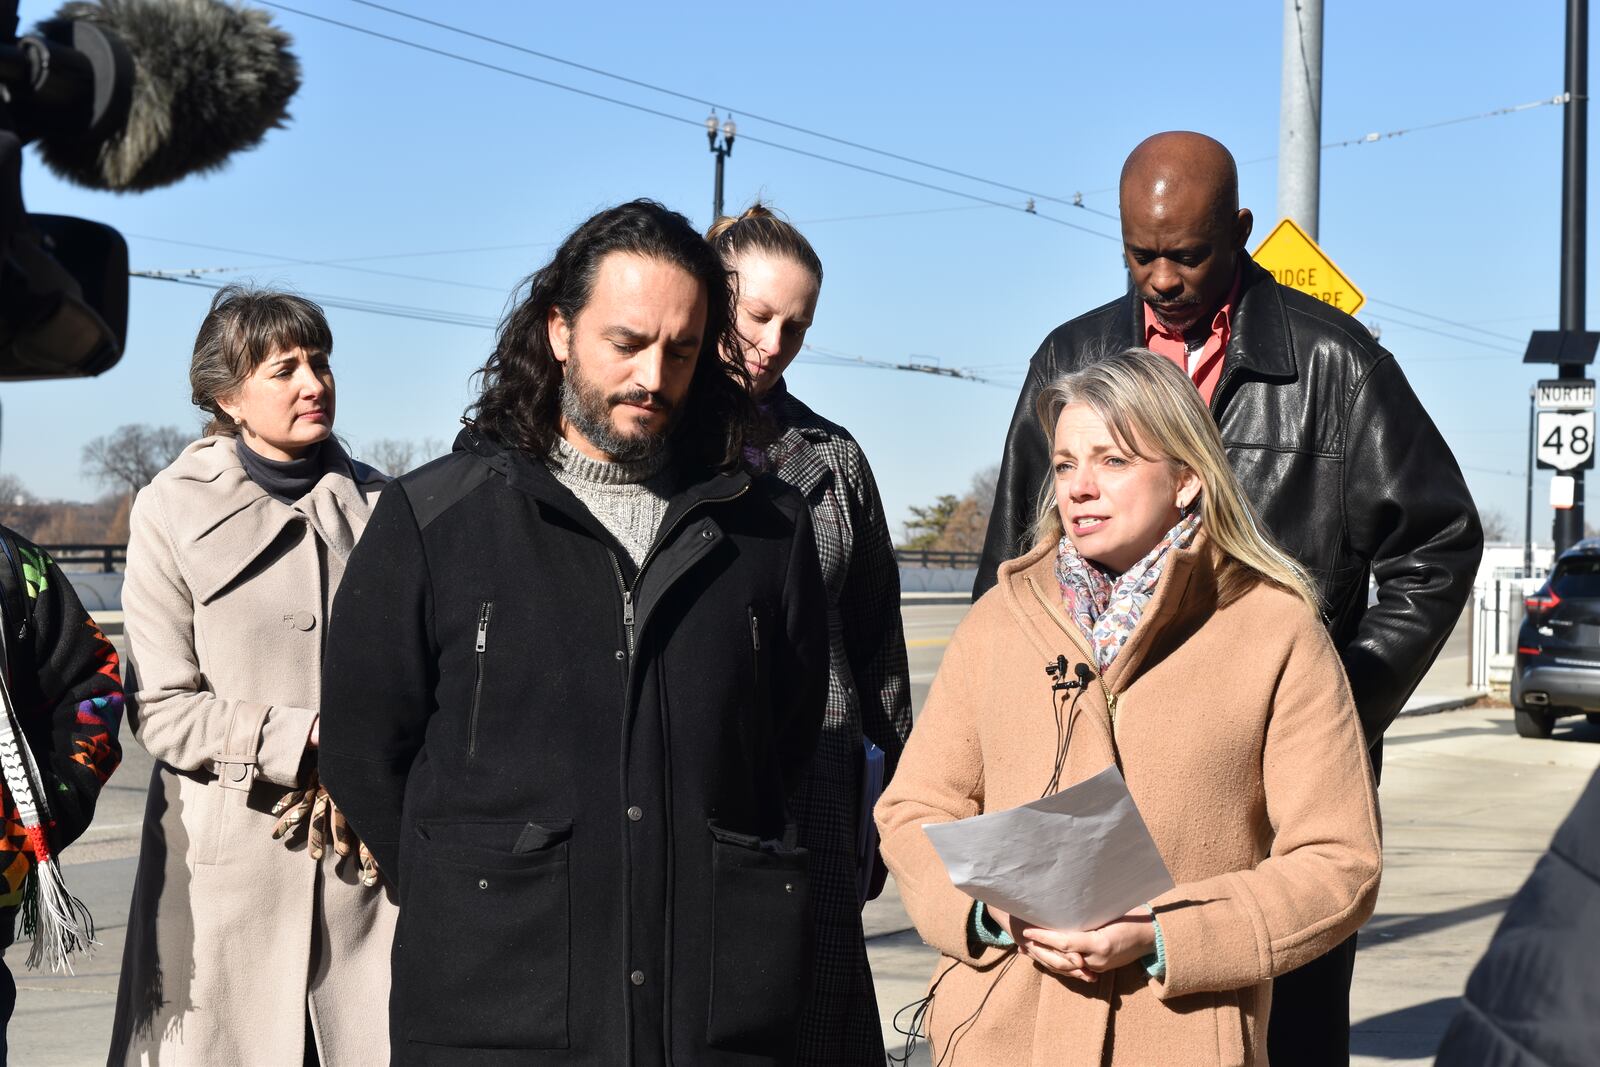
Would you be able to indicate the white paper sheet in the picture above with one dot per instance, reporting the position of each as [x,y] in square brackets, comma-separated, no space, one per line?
[1074,860]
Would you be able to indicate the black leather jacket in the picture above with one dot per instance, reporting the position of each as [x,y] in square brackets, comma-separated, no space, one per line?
[1333,448]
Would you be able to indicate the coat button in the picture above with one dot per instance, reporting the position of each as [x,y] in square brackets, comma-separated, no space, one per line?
[635,813]
[300,620]
[707,532]
[637,978]
[621,655]
[238,772]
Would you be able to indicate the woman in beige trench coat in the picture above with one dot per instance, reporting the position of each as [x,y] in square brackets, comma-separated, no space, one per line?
[241,948]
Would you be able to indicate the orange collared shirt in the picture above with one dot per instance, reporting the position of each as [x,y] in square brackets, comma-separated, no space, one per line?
[1205,369]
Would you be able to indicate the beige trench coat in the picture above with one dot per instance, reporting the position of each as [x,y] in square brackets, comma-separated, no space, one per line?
[235,940]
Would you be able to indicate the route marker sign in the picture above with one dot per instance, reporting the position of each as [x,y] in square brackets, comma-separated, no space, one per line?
[1564,426]
[1565,439]
[1292,257]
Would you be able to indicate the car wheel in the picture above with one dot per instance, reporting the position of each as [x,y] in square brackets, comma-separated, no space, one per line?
[1534,723]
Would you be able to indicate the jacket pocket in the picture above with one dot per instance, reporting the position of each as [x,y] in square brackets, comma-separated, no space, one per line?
[758,674]
[760,942]
[482,952]
[203,806]
[480,649]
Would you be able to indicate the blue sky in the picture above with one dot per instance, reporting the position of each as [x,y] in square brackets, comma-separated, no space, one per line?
[392,151]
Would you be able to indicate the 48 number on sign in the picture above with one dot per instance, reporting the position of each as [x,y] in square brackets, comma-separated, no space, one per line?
[1565,439]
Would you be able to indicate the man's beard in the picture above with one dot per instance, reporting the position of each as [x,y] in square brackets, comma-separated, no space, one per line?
[589,412]
[1181,305]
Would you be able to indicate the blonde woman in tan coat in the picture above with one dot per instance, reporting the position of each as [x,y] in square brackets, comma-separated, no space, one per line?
[1210,681]
[259,933]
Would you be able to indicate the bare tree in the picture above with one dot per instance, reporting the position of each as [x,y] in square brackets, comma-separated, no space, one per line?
[391,455]
[1496,527]
[395,457]
[12,492]
[128,457]
[955,524]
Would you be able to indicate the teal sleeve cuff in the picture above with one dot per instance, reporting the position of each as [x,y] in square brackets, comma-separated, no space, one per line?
[1155,964]
[986,930]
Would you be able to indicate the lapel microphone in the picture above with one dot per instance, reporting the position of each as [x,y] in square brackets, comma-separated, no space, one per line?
[1062,683]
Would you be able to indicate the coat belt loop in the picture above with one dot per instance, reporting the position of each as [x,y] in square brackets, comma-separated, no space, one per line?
[240,746]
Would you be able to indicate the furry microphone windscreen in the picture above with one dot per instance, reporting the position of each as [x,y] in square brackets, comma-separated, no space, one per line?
[209,79]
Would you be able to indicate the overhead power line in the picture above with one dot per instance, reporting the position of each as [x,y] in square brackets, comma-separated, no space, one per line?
[1028,208]
[1076,200]
[371,307]
[453,318]
[334,264]
[1449,322]
[1374,138]
[834,357]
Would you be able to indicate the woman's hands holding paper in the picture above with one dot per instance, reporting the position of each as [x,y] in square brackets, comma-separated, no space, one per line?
[1085,954]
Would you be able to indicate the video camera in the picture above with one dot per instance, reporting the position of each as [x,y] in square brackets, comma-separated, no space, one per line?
[127,96]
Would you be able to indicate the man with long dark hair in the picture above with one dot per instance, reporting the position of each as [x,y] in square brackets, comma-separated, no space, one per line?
[573,673]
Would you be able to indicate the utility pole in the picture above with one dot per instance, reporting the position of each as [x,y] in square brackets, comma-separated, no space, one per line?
[1300,115]
[1527,515]
[1574,215]
[722,152]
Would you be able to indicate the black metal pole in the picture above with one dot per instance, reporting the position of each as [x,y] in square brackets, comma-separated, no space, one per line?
[716,200]
[1527,520]
[1574,216]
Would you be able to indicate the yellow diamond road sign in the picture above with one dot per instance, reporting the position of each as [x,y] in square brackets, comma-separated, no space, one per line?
[1294,259]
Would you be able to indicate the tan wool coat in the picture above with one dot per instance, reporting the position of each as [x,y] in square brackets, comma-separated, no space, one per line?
[235,940]
[1240,744]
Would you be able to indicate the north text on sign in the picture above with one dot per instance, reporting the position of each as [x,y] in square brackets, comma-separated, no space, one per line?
[1565,394]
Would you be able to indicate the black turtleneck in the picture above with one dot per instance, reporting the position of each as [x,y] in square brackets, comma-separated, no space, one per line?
[284,480]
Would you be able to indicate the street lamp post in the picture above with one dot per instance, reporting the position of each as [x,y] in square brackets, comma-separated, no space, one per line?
[721,151]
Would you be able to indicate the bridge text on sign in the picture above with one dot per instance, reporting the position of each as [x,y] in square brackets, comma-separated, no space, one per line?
[1565,440]
[1294,259]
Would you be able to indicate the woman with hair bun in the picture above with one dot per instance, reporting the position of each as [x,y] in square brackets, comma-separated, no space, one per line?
[778,280]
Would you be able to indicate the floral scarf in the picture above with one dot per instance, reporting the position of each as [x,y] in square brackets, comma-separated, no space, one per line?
[1107,609]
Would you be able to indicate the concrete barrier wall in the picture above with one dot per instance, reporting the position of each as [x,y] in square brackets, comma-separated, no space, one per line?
[98,590]
[937,579]
[103,592]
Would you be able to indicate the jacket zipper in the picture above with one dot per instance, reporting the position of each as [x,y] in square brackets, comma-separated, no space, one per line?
[616,567]
[755,648]
[481,646]
[1088,657]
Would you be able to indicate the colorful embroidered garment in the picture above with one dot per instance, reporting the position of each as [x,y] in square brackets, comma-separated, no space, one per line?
[61,682]
[1107,608]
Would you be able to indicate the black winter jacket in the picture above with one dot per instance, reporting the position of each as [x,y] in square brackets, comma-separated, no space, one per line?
[63,676]
[576,774]
[1533,1000]
[1333,448]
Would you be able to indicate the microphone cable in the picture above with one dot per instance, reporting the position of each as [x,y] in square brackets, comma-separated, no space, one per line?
[921,1009]
[1066,717]
[1059,689]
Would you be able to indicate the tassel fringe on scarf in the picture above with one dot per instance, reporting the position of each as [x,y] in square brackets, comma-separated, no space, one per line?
[58,922]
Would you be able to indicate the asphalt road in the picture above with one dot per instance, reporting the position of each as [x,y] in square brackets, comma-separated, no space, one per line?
[1468,807]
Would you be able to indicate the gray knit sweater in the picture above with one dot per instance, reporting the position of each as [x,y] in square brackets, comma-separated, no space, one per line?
[629,499]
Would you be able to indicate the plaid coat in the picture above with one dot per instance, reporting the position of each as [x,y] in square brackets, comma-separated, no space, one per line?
[868,694]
